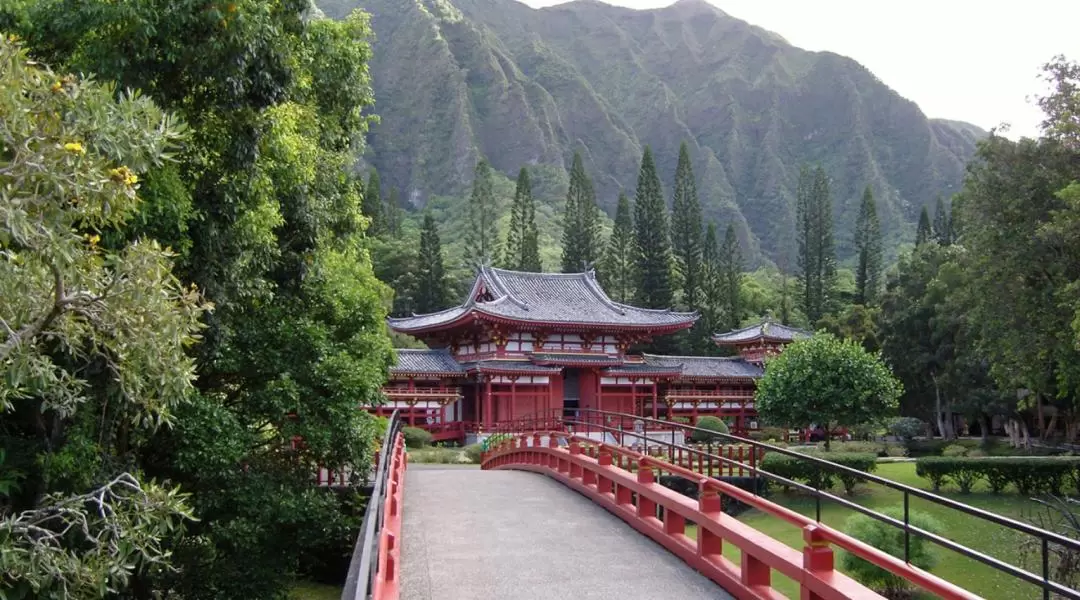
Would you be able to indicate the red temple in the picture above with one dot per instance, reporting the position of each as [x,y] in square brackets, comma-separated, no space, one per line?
[528,343]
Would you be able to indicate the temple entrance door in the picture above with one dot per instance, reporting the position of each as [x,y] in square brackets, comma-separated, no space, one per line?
[571,392]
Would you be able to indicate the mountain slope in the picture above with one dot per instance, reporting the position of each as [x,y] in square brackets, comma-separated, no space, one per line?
[457,80]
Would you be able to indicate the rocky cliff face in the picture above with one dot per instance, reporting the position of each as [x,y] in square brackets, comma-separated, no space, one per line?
[459,79]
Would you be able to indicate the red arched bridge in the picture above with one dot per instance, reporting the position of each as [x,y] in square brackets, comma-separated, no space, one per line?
[650,520]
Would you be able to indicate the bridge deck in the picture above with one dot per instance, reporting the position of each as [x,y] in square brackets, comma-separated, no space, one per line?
[509,534]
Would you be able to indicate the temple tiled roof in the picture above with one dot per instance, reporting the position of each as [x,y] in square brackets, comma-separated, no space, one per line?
[764,330]
[641,370]
[707,367]
[511,366]
[556,298]
[568,358]
[426,362]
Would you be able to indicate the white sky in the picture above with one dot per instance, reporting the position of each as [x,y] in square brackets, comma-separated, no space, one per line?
[957,59]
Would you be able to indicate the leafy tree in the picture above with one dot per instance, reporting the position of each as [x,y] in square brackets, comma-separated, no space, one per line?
[482,238]
[93,337]
[654,289]
[522,250]
[712,426]
[581,222]
[686,229]
[917,550]
[432,292]
[855,322]
[924,232]
[827,381]
[619,273]
[868,250]
[817,255]
[372,206]
[1062,105]
[729,271]
[392,213]
[276,103]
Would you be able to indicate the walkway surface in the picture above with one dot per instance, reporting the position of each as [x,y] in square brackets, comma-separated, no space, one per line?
[490,535]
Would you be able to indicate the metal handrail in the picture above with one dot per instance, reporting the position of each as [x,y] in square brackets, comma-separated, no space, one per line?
[363,568]
[1045,537]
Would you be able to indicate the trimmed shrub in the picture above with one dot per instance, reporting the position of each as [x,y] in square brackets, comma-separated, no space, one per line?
[1030,475]
[895,451]
[472,452]
[820,476]
[712,425]
[858,447]
[416,437]
[906,428]
[954,450]
[889,539]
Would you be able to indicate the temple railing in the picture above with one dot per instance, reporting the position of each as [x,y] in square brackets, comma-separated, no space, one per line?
[584,427]
[375,568]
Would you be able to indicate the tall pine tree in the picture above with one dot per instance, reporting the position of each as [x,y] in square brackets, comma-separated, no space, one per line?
[729,272]
[686,229]
[392,213]
[868,249]
[372,205]
[942,226]
[581,222]
[482,239]
[522,250]
[712,289]
[654,288]
[924,233]
[817,254]
[619,269]
[432,291]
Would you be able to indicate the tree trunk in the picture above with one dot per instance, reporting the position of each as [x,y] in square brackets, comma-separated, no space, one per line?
[984,426]
[1050,427]
[937,406]
[828,435]
[1042,419]
[1025,434]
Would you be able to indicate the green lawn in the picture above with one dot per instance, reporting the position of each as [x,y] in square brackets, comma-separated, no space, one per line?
[306,590]
[974,533]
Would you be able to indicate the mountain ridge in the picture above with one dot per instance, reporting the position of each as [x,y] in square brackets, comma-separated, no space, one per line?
[523,86]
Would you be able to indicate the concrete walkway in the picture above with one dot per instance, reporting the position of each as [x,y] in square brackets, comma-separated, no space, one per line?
[490,535]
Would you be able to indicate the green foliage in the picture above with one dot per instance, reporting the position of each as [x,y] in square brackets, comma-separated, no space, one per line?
[713,425]
[943,234]
[954,450]
[655,289]
[581,222]
[372,205]
[890,539]
[94,340]
[906,428]
[816,251]
[855,322]
[276,101]
[868,251]
[416,437]
[820,476]
[619,271]
[522,250]
[924,232]
[826,381]
[473,452]
[432,291]
[483,238]
[1031,475]
[686,230]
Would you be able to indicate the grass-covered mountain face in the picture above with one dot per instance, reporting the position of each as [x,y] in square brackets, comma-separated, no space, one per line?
[457,80]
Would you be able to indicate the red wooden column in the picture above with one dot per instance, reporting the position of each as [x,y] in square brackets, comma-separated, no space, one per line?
[512,413]
[488,408]
[694,414]
[654,415]
[633,396]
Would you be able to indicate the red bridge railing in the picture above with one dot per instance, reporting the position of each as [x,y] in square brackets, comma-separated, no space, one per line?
[375,569]
[609,451]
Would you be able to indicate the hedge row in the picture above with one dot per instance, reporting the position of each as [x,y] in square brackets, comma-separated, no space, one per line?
[820,476]
[1030,475]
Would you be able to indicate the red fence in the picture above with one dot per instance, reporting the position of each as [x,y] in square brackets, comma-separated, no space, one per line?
[623,482]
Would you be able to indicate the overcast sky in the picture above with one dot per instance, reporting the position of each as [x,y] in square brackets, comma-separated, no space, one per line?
[958,59]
